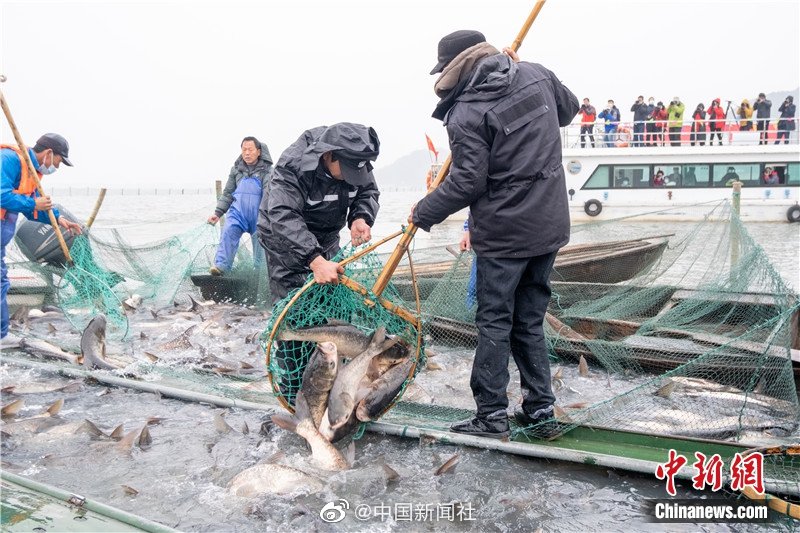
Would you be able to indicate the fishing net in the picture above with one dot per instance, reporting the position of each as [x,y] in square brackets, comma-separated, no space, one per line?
[108,271]
[698,315]
[688,330]
[320,304]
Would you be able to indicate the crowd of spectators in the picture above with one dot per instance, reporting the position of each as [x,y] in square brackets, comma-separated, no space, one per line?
[655,123]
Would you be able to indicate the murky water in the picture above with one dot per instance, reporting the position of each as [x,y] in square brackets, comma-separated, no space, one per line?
[181,478]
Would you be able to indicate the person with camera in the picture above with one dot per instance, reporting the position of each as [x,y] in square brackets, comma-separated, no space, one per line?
[659,123]
[699,125]
[786,122]
[611,116]
[763,110]
[675,115]
[650,125]
[640,113]
[716,121]
[745,116]
[588,115]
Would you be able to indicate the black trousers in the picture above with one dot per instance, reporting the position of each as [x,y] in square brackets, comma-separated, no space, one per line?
[587,130]
[762,125]
[513,295]
[715,130]
[675,136]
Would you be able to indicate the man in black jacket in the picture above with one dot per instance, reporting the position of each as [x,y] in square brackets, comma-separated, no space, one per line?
[763,109]
[321,182]
[640,113]
[503,121]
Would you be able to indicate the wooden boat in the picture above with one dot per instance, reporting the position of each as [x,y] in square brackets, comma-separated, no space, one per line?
[732,361]
[602,262]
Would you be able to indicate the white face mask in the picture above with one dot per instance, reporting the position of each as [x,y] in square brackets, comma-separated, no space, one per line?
[47,169]
[650,102]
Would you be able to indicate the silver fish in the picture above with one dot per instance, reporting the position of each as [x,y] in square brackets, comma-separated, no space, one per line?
[268,478]
[322,451]
[45,350]
[349,340]
[318,378]
[382,391]
[342,401]
[93,345]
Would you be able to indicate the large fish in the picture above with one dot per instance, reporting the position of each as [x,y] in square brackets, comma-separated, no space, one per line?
[387,359]
[382,391]
[349,340]
[266,478]
[345,430]
[318,378]
[93,345]
[342,401]
[323,452]
[45,350]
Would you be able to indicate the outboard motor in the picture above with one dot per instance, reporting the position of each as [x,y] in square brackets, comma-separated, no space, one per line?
[38,242]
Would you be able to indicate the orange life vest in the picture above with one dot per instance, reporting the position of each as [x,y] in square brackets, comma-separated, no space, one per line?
[27,185]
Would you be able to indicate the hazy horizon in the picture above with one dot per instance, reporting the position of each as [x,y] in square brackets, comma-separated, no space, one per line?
[157,93]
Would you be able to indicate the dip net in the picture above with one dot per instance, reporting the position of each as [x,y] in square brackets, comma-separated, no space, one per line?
[315,305]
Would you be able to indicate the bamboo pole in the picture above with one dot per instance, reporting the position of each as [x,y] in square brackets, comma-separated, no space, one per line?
[27,160]
[405,240]
[97,204]
[735,221]
[218,189]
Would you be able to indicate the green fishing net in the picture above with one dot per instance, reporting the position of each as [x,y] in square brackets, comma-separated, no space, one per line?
[321,304]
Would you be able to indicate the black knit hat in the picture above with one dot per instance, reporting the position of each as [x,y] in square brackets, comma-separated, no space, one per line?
[453,44]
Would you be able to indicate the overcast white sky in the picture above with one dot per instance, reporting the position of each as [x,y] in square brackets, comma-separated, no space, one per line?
[160,93]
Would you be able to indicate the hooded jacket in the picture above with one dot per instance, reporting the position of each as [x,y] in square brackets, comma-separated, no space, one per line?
[745,114]
[506,160]
[241,170]
[716,115]
[306,208]
[787,111]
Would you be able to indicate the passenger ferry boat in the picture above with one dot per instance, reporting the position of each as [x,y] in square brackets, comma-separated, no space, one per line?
[605,183]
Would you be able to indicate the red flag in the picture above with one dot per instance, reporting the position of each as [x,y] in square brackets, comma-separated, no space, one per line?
[431,147]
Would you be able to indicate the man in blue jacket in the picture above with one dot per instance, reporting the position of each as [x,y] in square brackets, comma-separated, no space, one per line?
[611,116]
[503,120]
[247,183]
[19,195]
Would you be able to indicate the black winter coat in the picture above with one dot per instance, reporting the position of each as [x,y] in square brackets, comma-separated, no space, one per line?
[506,160]
[762,109]
[305,210]
[640,111]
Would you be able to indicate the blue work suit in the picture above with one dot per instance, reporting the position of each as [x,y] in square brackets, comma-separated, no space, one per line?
[13,203]
[241,218]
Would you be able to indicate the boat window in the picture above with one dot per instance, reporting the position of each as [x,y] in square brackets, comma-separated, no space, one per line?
[599,179]
[696,175]
[725,174]
[672,176]
[629,176]
[792,174]
[776,175]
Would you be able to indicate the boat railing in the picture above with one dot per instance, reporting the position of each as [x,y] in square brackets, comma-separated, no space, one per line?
[692,133]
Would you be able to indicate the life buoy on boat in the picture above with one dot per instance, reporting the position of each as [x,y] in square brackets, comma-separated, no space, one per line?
[793,214]
[592,207]
[623,137]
